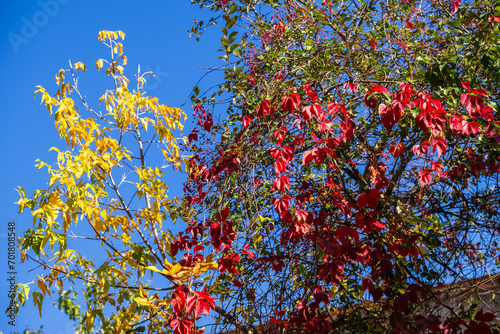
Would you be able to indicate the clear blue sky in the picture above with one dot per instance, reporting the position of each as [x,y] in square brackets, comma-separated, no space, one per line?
[37,39]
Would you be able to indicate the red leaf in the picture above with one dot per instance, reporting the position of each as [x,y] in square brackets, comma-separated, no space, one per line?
[370,199]
[465,99]
[215,234]
[264,108]
[227,263]
[310,111]
[301,215]
[308,156]
[379,89]
[324,123]
[370,102]
[347,129]
[297,122]
[279,135]
[478,328]
[320,155]
[486,317]
[377,294]
[456,124]
[198,248]
[181,326]
[366,284]
[281,182]
[409,24]
[178,301]
[247,120]
[222,215]
[438,167]
[425,177]
[351,86]
[280,205]
[439,145]
[390,116]
[466,85]
[480,91]
[351,232]
[193,135]
[407,89]
[474,127]
[290,102]
[362,200]
[422,149]
[396,150]
[335,107]
[279,165]
[367,224]
[454,6]
[207,125]
[191,303]
[378,224]
[310,92]
[200,302]
[205,303]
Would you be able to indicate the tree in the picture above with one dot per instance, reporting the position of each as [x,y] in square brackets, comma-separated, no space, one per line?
[354,175]
[357,170]
[110,182]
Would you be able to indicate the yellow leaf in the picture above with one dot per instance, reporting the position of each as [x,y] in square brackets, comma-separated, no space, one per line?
[164,271]
[42,286]
[99,64]
[38,301]
[80,66]
[144,302]
[102,35]
[98,224]
[153,268]
[175,269]
[22,293]
[162,303]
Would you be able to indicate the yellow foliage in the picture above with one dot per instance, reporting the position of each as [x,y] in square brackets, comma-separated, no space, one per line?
[80,66]
[102,179]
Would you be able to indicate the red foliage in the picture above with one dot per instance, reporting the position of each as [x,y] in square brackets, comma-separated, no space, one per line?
[320,140]
[290,102]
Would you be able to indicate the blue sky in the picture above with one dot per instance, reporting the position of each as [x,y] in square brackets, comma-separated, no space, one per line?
[37,39]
